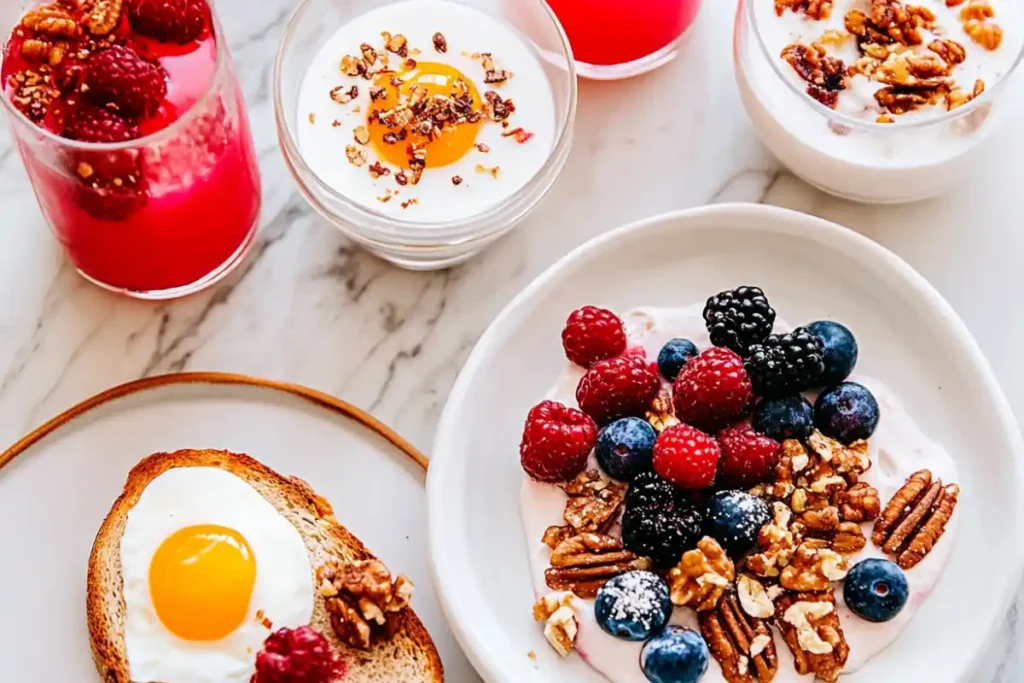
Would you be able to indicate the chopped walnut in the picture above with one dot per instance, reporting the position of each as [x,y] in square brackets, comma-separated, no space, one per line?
[916,517]
[958,97]
[104,17]
[852,460]
[702,576]
[776,544]
[810,626]
[560,626]
[848,539]
[952,52]
[814,9]
[52,21]
[860,503]
[440,43]
[362,599]
[897,100]
[343,95]
[397,44]
[584,563]
[355,156]
[825,75]
[978,10]
[985,33]
[913,71]
[361,135]
[813,567]
[38,49]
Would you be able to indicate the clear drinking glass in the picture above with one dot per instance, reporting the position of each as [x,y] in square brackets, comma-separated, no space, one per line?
[190,208]
[613,39]
[862,159]
[420,245]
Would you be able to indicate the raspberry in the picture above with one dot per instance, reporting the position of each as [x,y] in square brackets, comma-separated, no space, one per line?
[592,334]
[617,387]
[556,442]
[96,124]
[748,458]
[687,457]
[119,76]
[298,655]
[713,390]
[172,21]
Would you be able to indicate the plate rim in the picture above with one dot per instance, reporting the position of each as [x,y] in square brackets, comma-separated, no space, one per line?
[313,396]
[459,614]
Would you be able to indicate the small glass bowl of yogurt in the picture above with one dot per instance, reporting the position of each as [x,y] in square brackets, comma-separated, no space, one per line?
[879,113]
[424,129]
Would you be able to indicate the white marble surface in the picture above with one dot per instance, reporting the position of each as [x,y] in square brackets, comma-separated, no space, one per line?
[308,308]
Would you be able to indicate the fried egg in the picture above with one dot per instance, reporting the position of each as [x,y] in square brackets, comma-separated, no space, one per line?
[209,568]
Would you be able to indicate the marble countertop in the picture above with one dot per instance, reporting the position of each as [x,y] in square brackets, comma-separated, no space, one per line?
[309,308]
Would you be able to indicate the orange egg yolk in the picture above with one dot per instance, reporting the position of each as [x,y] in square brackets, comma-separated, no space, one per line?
[455,141]
[201,580]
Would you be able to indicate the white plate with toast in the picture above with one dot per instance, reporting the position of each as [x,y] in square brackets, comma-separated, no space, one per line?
[58,484]
[811,270]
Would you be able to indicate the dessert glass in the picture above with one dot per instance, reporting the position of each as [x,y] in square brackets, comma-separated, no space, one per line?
[613,39]
[420,245]
[200,209]
[862,160]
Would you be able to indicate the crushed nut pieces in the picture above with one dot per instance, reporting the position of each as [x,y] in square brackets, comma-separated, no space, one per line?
[916,517]
[560,625]
[362,600]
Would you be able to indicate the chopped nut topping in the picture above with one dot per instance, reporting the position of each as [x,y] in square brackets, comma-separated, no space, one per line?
[351,66]
[85,171]
[952,52]
[813,567]
[985,33]
[104,17]
[594,500]
[958,97]
[814,9]
[860,503]
[560,627]
[396,44]
[377,170]
[702,576]
[481,147]
[38,49]
[52,21]
[440,43]
[494,170]
[361,135]
[456,180]
[362,599]
[410,202]
[312,117]
[343,95]
[978,10]
[826,75]
[356,156]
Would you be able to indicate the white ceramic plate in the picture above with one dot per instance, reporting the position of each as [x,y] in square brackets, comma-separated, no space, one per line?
[811,269]
[55,492]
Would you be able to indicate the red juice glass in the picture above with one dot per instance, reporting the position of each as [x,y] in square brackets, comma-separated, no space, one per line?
[159,216]
[614,39]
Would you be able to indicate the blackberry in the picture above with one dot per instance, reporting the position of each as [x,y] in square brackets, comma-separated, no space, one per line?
[786,364]
[739,318]
[658,521]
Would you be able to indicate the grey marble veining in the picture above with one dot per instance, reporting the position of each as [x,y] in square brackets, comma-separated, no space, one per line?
[309,308]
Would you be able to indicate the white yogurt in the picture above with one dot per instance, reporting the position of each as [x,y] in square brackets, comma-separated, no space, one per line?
[327,127]
[898,449]
[880,162]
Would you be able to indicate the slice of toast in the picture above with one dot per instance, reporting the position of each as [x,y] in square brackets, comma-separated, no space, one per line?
[408,657]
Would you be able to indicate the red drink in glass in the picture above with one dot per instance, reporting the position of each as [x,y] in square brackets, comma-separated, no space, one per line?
[162,211]
[622,38]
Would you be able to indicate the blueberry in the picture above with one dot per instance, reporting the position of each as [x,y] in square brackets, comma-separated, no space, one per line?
[784,418]
[634,605]
[676,655]
[734,519]
[625,448]
[876,589]
[840,350]
[674,356]
[847,413]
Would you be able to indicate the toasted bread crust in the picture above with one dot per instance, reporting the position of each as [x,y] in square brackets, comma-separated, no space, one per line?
[105,606]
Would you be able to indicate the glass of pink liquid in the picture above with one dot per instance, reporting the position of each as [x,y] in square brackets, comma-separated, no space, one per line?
[614,39]
[164,214]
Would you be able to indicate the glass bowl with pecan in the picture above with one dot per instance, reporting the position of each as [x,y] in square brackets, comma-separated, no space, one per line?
[879,101]
[424,129]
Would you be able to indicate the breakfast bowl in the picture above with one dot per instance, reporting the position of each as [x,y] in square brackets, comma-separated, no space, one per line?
[811,269]
[424,129]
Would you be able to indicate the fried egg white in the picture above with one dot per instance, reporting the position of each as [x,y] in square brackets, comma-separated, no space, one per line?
[207,564]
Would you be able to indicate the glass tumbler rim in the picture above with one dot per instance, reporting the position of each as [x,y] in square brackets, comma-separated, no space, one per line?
[745,6]
[380,230]
[222,61]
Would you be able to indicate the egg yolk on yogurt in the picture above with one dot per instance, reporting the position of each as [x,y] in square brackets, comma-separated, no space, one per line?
[455,141]
[201,580]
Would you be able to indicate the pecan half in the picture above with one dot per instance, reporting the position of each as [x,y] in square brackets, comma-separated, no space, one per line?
[584,563]
[740,643]
[702,576]
[594,501]
[810,626]
[362,600]
[916,517]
